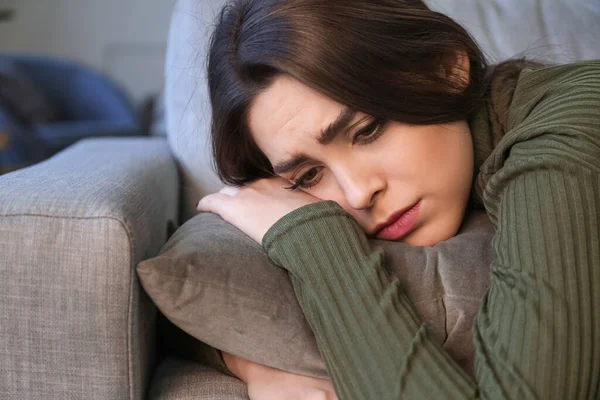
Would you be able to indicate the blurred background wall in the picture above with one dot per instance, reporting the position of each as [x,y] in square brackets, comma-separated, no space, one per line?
[125,39]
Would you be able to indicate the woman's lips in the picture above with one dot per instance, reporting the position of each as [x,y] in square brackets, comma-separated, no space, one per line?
[402,225]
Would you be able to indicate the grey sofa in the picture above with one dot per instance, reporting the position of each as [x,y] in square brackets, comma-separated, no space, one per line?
[74,320]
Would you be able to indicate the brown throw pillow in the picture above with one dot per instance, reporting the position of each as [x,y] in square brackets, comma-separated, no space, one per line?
[219,286]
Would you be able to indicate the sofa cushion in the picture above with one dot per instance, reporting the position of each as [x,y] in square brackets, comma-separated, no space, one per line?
[219,286]
[555,31]
[177,379]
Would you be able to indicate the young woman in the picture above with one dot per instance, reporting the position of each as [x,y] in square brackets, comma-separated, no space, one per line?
[339,120]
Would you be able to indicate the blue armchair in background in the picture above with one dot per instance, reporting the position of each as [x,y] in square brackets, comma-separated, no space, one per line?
[47,104]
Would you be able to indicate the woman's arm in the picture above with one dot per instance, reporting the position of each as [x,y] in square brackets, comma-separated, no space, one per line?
[537,334]
[372,342]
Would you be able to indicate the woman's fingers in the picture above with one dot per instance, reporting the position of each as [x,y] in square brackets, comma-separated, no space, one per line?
[214,203]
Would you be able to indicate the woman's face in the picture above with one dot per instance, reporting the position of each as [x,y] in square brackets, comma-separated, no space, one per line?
[371,168]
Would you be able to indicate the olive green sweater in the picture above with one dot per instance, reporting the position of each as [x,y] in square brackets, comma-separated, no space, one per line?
[537,334]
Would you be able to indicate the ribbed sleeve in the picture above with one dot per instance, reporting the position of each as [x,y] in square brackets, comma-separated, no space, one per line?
[537,334]
[373,343]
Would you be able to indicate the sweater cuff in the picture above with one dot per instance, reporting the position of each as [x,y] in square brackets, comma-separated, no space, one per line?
[301,215]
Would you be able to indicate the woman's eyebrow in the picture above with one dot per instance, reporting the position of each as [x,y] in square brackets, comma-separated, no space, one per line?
[325,137]
[289,165]
[337,126]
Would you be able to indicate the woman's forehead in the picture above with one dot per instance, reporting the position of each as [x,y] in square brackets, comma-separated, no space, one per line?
[289,112]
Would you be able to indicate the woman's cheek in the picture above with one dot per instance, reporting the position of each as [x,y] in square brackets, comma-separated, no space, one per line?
[325,189]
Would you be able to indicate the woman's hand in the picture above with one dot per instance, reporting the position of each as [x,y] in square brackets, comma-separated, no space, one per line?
[266,383]
[254,208]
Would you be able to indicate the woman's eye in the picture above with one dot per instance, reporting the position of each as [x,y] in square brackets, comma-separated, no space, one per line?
[307,180]
[371,132]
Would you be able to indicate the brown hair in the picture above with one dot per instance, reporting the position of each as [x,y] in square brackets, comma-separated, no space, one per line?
[389,59]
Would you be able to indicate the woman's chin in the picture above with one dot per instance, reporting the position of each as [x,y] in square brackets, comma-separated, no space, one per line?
[428,235]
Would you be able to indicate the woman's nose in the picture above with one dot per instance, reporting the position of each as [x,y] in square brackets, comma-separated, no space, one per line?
[361,187]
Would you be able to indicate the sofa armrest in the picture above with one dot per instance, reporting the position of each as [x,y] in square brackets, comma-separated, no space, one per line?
[75,322]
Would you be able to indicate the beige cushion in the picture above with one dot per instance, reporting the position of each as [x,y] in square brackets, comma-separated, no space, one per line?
[177,379]
[218,285]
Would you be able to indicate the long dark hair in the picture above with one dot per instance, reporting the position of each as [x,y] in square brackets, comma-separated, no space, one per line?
[386,58]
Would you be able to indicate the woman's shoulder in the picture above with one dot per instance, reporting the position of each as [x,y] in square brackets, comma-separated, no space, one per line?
[537,78]
[557,99]
[592,63]
[561,70]
[540,82]
[554,116]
